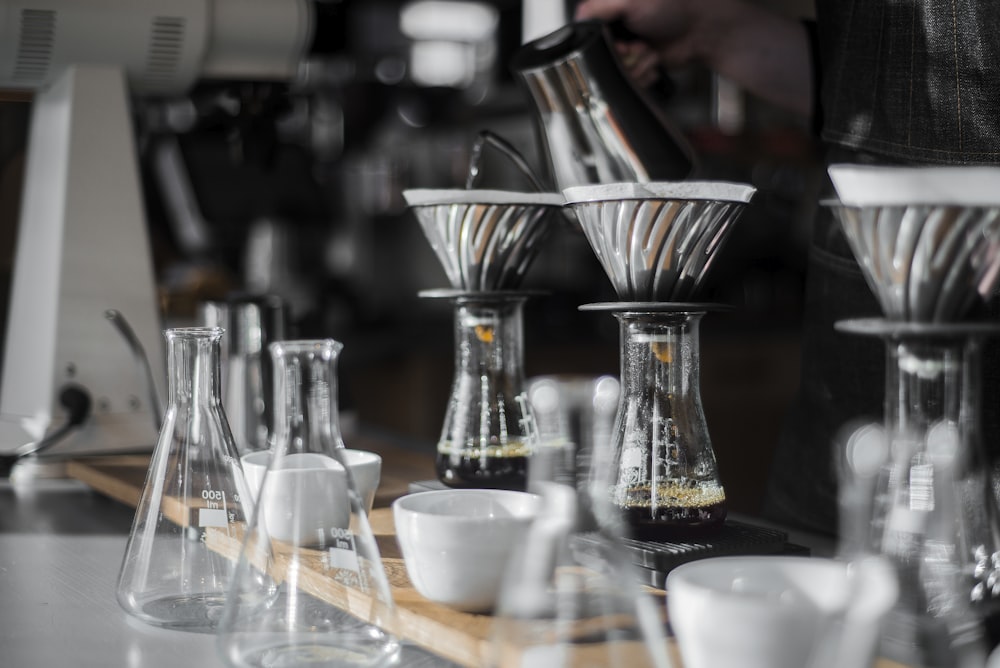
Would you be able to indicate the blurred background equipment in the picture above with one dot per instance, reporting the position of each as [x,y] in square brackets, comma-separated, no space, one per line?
[83,246]
[292,186]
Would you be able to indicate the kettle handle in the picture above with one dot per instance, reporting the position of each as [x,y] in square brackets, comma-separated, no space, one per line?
[664,88]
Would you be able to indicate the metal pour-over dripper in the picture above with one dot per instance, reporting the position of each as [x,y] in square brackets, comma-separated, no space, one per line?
[484,239]
[656,241]
[927,254]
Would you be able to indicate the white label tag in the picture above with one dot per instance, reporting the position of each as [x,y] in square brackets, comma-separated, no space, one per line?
[342,554]
[212,517]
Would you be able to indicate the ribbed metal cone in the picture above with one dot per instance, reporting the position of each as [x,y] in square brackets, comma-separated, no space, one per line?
[925,263]
[926,238]
[484,239]
[657,241]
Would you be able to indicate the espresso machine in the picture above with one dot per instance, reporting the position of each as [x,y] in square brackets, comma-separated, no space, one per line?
[69,380]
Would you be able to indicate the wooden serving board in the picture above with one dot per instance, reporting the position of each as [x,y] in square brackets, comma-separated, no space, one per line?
[461,637]
[122,477]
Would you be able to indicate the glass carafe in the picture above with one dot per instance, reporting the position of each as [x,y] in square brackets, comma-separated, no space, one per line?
[934,515]
[251,323]
[664,479]
[175,572]
[487,437]
[310,588]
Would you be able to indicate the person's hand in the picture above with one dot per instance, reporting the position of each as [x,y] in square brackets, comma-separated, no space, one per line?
[765,52]
[671,31]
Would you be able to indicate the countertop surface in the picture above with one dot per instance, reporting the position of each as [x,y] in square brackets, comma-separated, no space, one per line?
[61,545]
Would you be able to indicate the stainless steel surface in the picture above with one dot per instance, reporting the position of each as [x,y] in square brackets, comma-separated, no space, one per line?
[595,125]
[925,263]
[657,241]
[484,239]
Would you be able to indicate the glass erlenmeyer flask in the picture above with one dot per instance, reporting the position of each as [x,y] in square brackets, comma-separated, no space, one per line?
[487,436]
[309,588]
[665,481]
[934,515]
[570,597]
[175,573]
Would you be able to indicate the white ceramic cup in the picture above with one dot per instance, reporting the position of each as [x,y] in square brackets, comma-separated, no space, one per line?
[778,612]
[307,495]
[456,543]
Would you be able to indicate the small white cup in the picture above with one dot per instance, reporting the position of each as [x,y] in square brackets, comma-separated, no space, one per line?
[366,467]
[777,612]
[456,543]
[308,494]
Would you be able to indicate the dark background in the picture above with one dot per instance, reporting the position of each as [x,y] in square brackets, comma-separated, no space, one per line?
[299,193]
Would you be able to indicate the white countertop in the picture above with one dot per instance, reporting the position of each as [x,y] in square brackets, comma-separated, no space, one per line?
[61,546]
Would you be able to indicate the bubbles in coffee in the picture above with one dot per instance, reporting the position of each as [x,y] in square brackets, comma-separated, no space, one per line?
[671,511]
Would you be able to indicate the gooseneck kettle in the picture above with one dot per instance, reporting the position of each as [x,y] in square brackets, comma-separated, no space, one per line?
[595,125]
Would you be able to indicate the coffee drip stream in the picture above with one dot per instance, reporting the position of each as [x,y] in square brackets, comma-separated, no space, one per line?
[928,504]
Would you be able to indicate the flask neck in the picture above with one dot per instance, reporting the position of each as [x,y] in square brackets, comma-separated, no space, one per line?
[193,365]
[660,354]
[489,337]
[931,385]
[306,413]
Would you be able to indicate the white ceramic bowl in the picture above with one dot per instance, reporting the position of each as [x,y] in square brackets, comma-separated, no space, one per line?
[307,496]
[366,467]
[778,612]
[456,543]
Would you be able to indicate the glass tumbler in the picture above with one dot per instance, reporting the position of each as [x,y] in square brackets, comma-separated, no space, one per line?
[571,597]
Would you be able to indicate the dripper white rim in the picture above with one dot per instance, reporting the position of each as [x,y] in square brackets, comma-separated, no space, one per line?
[430,196]
[721,191]
[883,186]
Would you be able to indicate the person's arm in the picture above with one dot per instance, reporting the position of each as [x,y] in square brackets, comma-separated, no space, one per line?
[763,52]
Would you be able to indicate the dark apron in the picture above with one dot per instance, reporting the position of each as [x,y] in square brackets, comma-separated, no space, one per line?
[903,82]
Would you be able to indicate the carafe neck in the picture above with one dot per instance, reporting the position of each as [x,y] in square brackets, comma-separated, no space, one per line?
[489,338]
[660,354]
